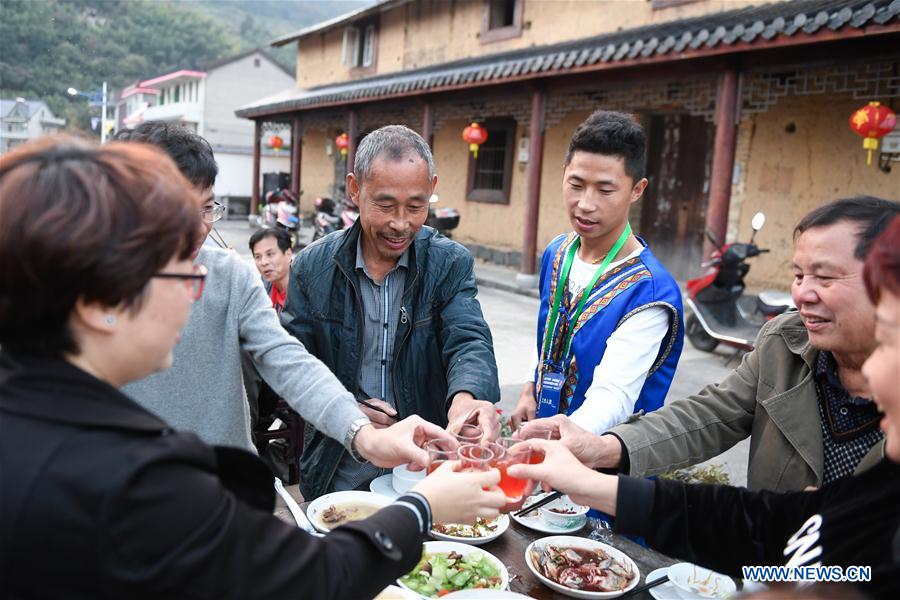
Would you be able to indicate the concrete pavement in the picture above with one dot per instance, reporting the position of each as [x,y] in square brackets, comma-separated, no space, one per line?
[512,319]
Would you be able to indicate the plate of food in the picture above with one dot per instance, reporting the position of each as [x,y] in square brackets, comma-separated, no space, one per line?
[535,520]
[482,532]
[450,567]
[331,510]
[581,567]
[694,581]
[392,592]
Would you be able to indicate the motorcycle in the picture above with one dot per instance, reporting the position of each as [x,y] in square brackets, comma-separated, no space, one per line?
[282,212]
[327,219]
[444,220]
[720,311]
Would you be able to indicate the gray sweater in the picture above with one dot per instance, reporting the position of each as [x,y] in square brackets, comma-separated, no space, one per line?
[203,391]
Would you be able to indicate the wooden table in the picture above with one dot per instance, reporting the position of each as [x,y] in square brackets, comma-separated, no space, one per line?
[510,549]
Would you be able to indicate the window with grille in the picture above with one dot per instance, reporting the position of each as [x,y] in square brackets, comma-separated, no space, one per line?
[490,175]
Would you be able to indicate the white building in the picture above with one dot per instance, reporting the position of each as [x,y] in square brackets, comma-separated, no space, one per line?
[205,100]
[22,120]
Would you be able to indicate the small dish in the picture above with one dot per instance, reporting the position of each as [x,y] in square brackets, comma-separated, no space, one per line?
[564,513]
[700,582]
[403,479]
[533,520]
[502,524]
[383,485]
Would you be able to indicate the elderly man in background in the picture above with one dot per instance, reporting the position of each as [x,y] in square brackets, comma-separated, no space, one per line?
[390,306]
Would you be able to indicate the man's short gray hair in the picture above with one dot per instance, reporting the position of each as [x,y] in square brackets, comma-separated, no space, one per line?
[394,140]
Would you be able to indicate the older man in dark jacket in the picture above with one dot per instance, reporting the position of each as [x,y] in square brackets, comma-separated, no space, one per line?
[390,306]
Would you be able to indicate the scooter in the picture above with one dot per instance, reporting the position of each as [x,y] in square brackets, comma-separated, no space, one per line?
[327,219]
[720,312]
[444,220]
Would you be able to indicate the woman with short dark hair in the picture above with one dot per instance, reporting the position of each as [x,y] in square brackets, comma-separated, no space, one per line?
[100,498]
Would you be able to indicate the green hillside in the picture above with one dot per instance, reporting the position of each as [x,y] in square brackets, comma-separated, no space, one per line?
[47,46]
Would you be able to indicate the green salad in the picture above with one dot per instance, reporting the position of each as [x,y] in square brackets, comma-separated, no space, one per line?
[440,573]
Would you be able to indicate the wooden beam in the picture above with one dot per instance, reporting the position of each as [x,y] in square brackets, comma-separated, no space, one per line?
[257,151]
[535,166]
[723,157]
[352,122]
[427,122]
[296,156]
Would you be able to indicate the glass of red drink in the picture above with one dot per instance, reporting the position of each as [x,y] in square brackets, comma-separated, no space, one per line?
[508,452]
[438,453]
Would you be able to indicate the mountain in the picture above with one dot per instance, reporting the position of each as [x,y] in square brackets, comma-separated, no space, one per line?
[47,46]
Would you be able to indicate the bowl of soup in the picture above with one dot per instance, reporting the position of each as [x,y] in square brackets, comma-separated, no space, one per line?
[339,508]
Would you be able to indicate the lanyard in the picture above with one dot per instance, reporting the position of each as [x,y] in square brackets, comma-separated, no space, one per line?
[561,285]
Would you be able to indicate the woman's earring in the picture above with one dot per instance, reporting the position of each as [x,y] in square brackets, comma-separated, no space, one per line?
[109,320]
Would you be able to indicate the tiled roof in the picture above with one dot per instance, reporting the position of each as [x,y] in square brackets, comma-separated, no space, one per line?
[696,36]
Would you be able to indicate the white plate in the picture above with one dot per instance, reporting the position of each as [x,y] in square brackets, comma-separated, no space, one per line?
[579,542]
[682,575]
[533,520]
[664,591]
[502,525]
[382,485]
[486,595]
[392,592]
[465,550]
[320,504]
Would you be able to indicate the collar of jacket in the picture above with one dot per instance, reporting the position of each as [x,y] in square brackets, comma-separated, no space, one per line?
[56,390]
[797,339]
[345,255]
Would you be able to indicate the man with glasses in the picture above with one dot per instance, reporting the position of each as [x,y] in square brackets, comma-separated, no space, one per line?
[203,392]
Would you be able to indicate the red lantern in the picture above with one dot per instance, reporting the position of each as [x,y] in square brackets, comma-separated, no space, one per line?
[342,142]
[476,135]
[872,122]
[276,143]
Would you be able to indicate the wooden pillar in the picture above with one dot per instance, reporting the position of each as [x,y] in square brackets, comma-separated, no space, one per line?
[535,166]
[257,151]
[296,156]
[352,134]
[723,158]
[426,122]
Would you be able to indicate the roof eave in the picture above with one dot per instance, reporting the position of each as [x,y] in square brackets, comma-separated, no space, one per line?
[800,39]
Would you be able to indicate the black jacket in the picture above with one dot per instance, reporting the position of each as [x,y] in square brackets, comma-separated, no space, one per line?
[443,344]
[99,499]
[850,522]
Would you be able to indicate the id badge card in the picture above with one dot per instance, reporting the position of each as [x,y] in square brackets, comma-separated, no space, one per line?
[551,387]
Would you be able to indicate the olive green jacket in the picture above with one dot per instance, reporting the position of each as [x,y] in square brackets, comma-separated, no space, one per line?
[770,397]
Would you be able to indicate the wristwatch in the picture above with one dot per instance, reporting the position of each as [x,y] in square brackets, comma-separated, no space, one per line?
[355,426]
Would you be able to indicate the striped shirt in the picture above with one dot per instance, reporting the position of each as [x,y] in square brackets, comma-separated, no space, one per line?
[381,305]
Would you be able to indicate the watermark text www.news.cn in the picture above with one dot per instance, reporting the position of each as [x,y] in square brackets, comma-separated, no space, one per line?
[831,574]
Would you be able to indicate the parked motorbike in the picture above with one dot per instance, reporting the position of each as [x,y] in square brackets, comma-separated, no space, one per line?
[282,212]
[327,219]
[444,220]
[720,311]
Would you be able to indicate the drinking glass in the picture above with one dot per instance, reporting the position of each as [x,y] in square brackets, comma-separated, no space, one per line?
[508,452]
[475,458]
[438,453]
[470,434]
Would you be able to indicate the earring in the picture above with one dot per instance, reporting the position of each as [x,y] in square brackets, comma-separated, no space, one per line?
[109,320]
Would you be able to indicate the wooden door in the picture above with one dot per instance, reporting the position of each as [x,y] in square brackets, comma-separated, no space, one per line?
[673,212]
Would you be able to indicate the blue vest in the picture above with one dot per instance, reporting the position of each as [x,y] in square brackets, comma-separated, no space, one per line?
[635,285]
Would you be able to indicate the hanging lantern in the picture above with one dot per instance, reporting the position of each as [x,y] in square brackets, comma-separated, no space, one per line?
[872,122]
[342,142]
[475,135]
[276,143]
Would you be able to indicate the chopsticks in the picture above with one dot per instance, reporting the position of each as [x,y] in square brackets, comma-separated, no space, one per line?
[539,504]
[646,586]
[379,409]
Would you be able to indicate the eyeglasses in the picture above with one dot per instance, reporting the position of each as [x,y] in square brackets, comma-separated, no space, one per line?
[213,213]
[195,280]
